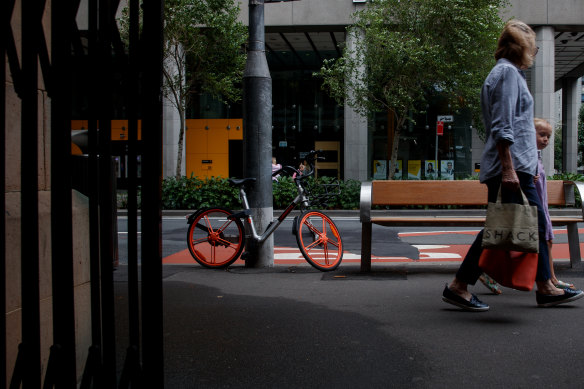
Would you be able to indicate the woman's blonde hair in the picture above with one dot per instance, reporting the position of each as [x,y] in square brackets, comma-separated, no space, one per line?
[516,43]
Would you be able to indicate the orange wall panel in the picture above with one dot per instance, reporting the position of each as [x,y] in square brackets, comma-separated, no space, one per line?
[196,140]
[79,124]
[220,165]
[218,142]
[208,139]
[235,129]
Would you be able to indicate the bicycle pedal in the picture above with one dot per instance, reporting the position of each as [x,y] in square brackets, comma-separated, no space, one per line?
[245,255]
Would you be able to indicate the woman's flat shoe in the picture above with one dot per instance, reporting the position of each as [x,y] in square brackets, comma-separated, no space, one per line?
[548,300]
[474,305]
[564,285]
[490,283]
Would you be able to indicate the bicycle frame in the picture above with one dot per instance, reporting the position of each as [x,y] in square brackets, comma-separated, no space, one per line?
[301,198]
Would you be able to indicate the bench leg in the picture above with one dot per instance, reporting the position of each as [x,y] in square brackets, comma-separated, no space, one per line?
[365,247]
[574,245]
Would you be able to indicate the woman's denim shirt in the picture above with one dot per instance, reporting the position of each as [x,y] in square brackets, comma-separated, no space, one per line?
[507,108]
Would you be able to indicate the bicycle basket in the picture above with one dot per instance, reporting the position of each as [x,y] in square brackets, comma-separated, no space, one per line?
[321,194]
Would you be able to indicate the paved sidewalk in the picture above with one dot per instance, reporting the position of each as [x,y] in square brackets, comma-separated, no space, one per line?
[295,327]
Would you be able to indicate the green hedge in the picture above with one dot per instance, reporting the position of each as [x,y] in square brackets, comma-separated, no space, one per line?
[195,193]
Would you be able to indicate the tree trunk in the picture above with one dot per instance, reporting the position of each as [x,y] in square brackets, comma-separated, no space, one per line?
[181,137]
[395,147]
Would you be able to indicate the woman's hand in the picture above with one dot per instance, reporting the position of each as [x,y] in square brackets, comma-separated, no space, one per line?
[509,180]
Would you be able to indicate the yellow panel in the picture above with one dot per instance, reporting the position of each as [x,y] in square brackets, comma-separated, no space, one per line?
[236,129]
[79,124]
[220,165]
[219,123]
[218,141]
[119,129]
[119,124]
[195,166]
[196,123]
[196,140]
[208,139]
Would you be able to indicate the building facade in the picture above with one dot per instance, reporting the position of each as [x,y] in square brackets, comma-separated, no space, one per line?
[301,34]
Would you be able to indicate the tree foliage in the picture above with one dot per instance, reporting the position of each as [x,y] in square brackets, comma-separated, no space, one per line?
[210,41]
[203,53]
[406,48]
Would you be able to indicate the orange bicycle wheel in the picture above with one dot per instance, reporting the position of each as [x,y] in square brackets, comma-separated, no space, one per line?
[215,240]
[319,240]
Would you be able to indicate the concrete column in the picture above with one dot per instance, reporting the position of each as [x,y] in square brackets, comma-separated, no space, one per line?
[356,150]
[571,101]
[543,85]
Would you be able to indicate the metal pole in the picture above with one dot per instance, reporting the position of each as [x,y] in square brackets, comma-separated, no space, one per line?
[257,131]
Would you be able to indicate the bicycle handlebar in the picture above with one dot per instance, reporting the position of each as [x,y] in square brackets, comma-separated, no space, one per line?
[310,158]
[285,169]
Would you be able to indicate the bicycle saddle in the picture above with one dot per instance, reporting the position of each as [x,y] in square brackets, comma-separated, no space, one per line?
[241,181]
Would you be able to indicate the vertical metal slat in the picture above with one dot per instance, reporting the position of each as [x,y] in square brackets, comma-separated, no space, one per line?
[153,360]
[63,350]
[6,12]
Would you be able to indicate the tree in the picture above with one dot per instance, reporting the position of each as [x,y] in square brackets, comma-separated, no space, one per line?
[203,53]
[407,48]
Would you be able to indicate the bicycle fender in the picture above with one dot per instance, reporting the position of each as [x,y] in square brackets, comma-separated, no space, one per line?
[294,225]
[240,215]
[193,215]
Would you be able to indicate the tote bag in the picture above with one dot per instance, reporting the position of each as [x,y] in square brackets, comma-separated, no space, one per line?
[512,269]
[511,226]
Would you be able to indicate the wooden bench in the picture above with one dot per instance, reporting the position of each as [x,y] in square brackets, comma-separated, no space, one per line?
[468,193]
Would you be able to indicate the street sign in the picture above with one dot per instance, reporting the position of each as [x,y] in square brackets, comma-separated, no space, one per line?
[439,128]
[445,118]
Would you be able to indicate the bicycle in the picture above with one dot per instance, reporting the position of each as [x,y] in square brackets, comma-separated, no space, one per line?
[216,236]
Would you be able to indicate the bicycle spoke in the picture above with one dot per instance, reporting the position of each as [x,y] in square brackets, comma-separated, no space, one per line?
[326,254]
[209,225]
[213,253]
[224,226]
[313,244]
[312,227]
[227,244]
[199,241]
[334,243]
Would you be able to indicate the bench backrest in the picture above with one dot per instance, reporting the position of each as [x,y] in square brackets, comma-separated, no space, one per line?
[444,192]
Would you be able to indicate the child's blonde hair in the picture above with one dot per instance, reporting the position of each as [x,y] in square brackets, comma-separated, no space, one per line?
[539,123]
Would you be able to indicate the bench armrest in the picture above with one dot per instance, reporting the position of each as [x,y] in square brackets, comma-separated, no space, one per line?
[579,188]
[365,202]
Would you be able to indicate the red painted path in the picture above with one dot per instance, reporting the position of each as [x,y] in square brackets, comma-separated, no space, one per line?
[428,253]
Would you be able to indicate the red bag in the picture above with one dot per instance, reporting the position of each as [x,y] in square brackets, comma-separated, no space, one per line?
[512,269]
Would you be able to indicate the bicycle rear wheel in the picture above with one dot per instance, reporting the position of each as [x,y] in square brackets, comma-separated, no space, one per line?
[214,240]
[319,240]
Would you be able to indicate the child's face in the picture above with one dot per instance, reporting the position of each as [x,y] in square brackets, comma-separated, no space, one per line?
[543,135]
